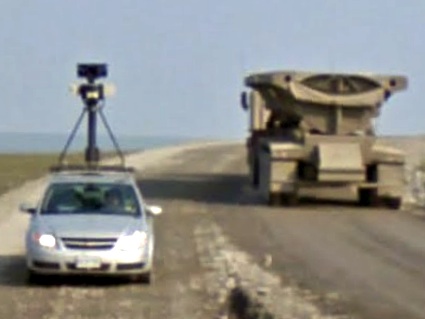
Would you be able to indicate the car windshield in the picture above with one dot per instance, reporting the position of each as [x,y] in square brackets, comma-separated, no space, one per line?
[90,198]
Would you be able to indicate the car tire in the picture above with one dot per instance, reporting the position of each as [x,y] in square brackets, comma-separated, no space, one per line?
[34,279]
[146,278]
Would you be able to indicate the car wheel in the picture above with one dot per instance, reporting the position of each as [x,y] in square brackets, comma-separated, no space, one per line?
[146,278]
[34,278]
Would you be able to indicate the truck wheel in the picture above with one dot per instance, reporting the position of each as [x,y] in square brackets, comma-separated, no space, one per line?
[255,174]
[289,199]
[285,199]
[392,202]
[368,197]
[275,199]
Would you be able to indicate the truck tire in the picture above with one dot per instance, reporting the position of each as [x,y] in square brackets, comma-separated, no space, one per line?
[274,199]
[368,197]
[289,199]
[255,174]
[392,202]
[283,199]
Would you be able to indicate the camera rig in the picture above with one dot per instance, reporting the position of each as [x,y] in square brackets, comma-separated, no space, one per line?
[92,93]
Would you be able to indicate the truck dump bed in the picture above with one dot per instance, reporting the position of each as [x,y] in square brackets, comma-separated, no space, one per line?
[337,104]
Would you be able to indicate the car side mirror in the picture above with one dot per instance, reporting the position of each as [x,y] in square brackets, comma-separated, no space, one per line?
[154,210]
[27,208]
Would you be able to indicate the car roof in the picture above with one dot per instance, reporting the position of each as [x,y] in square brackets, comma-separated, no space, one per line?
[92,177]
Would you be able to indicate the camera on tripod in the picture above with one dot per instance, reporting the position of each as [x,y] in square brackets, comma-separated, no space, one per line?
[91,92]
[92,71]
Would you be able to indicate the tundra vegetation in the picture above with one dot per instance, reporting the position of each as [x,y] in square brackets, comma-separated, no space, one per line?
[15,169]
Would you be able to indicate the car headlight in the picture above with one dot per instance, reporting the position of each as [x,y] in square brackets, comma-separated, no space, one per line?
[135,241]
[45,240]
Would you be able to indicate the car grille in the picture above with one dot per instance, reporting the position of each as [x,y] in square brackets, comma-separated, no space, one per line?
[89,243]
[73,266]
[45,265]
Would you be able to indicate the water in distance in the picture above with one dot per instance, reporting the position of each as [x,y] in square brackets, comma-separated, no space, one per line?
[54,142]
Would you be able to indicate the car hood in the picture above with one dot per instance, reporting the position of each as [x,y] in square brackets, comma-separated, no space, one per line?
[88,225]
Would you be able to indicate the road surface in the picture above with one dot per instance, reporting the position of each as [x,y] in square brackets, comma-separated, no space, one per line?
[335,260]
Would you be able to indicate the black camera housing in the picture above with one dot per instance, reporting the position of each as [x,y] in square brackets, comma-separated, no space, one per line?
[92,71]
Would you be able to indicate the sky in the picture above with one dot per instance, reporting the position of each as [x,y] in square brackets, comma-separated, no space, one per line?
[179,65]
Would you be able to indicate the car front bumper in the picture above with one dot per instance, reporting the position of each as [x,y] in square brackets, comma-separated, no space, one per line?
[91,262]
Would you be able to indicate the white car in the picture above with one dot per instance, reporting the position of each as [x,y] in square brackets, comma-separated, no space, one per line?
[91,223]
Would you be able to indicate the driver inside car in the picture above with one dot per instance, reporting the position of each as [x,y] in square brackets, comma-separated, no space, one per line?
[113,200]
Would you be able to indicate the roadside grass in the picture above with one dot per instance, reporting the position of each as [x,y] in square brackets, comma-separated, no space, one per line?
[15,169]
[421,165]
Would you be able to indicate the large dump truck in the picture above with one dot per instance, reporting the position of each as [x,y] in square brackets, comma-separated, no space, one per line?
[316,131]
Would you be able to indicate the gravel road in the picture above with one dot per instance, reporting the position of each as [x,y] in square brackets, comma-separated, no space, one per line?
[216,238]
